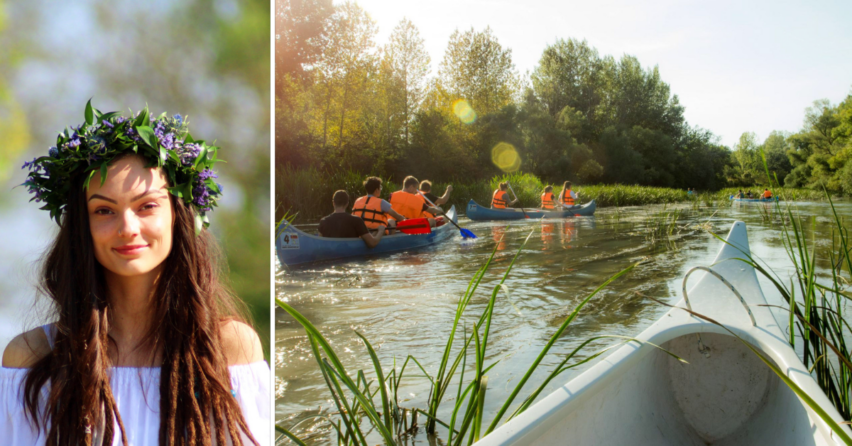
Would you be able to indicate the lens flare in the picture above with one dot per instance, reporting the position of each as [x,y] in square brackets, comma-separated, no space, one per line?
[504,156]
[464,111]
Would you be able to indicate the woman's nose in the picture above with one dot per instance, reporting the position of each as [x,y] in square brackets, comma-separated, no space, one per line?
[129,224]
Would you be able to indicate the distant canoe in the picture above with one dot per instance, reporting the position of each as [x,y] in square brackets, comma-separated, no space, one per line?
[477,212]
[754,200]
[296,247]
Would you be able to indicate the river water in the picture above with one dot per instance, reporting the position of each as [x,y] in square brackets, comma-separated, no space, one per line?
[404,303]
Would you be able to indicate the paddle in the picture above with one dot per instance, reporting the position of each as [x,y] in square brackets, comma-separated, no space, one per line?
[516,199]
[414,226]
[464,232]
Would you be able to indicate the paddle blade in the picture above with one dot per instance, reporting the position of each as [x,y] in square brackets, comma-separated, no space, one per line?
[414,226]
[465,233]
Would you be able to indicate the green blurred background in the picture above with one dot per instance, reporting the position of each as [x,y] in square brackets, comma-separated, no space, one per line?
[205,59]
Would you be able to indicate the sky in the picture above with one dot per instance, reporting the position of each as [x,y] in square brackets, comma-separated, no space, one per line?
[737,66]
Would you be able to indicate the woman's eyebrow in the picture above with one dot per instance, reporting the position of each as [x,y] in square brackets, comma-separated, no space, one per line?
[146,193]
[102,198]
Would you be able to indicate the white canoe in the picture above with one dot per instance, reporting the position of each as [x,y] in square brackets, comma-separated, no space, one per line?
[638,395]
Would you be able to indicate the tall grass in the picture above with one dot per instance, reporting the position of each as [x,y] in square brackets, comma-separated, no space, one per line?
[371,404]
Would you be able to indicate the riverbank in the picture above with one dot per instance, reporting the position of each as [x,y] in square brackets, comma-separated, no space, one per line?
[307,192]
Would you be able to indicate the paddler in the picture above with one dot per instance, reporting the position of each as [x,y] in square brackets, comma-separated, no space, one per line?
[340,224]
[500,198]
[410,204]
[567,197]
[372,209]
[426,190]
[548,200]
[766,194]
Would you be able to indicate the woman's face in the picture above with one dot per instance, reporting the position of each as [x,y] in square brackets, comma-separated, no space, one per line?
[131,218]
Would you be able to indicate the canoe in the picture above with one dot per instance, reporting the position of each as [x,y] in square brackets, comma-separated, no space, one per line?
[639,395]
[755,200]
[477,212]
[296,247]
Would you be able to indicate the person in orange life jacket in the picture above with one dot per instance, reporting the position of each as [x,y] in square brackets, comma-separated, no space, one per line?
[372,209]
[411,205]
[567,197]
[548,200]
[767,194]
[426,190]
[500,198]
[340,224]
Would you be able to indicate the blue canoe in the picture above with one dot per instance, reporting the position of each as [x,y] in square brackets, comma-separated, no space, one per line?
[477,212]
[296,247]
[754,200]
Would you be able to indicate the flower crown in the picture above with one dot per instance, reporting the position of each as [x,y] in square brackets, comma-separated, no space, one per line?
[89,148]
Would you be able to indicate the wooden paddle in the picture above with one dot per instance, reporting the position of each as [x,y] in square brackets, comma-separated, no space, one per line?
[516,199]
[465,233]
[414,226]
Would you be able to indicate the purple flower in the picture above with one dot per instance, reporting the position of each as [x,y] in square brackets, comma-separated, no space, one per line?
[74,142]
[188,153]
[221,188]
[179,119]
[168,141]
[206,174]
[107,123]
[53,151]
[29,164]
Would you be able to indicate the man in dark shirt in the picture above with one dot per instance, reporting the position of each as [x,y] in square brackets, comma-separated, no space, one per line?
[341,224]
[426,190]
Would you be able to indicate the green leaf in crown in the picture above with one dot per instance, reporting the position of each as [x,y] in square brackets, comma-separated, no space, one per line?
[90,147]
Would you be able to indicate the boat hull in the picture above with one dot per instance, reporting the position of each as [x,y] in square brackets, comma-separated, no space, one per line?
[296,247]
[755,200]
[639,395]
[477,212]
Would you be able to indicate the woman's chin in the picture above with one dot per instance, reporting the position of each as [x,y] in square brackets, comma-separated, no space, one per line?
[132,268]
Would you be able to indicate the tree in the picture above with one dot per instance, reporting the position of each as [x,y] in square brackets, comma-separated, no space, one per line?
[299,25]
[477,68]
[408,62]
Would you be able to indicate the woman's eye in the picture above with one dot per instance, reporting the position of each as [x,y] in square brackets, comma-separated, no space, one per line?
[149,206]
[102,211]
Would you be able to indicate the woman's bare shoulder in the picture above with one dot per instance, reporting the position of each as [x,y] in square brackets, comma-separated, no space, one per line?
[240,342]
[26,349]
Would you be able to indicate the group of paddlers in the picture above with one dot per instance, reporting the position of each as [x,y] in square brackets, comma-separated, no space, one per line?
[766,195]
[372,217]
[567,197]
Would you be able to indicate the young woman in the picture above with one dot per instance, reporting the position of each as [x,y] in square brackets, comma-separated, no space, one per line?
[147,347]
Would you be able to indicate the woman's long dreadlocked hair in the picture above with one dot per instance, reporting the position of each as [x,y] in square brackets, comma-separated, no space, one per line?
[191,305]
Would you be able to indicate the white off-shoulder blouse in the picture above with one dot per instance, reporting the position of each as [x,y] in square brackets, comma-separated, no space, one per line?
[137,393]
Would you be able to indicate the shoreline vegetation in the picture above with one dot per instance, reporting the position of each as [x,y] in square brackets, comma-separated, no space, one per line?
[347,106]
[306,192]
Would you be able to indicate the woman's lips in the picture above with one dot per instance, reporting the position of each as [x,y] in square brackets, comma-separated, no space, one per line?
[130,249]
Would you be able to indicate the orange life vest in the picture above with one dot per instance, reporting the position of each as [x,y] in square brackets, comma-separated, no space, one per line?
[500,199]
[409,205]
[566,197]
[767,194]
[369,209]
[547,200]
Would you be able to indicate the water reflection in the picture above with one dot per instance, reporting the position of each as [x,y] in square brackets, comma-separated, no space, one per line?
[404,303]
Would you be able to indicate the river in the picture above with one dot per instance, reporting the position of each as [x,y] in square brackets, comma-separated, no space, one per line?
[404,303]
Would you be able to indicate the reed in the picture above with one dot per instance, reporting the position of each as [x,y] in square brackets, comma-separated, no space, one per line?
[662,226]
[372,405]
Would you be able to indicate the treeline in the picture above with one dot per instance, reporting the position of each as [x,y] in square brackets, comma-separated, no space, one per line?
[815,157]
[344,103]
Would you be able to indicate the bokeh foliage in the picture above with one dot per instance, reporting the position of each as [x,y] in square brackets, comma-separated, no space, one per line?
[207,59]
